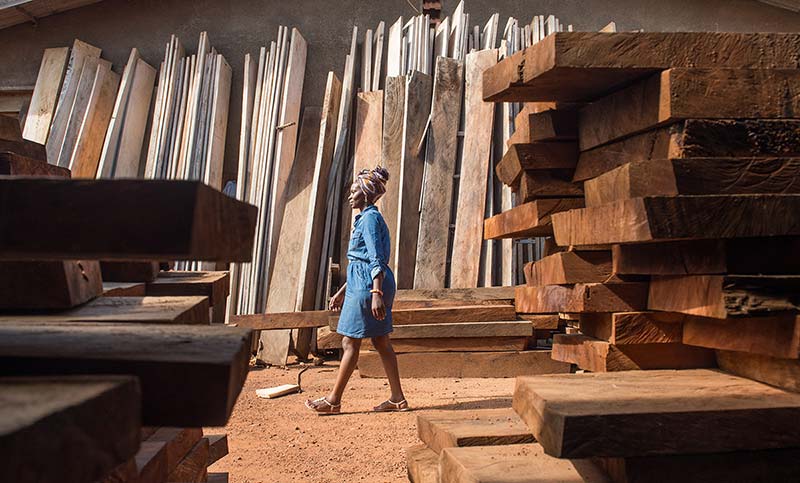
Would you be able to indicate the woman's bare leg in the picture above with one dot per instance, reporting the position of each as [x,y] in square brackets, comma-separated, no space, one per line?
[384,347]
[351,348]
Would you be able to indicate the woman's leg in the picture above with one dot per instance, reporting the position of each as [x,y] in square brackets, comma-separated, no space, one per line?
[351,348]
[384,347]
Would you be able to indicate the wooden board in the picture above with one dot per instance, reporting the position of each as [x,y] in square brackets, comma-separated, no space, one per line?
[583,297]
[453,314]
[123,289]
[422,464]
[177,444]
[49,285]
[677,94]
[481,427]
[523,463]
[453,296]
[217,447]
[440,166]
[775,336]
[89,145]
[696,138]
[569,268]
[12,164]
[45,94]
[83,92]
[284,320]
[118,271]
[61,428]
[722,296]
[112,134]
[679,217]
[534,185]
[478,120]
[625,328]
[218,119]
[581,66]
[464,364]
[151,461]
[538,156]
[783,373]
[454,344]
[214,285]
[177,365]
[179,220]
[394,102]
[542,321]
[528,219]
[412,164]
[519,328]
[554,125]
[193,467]
[25,148]
[368,131]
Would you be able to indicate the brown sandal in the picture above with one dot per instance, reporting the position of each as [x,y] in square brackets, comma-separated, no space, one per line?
[390,406]
[323,407]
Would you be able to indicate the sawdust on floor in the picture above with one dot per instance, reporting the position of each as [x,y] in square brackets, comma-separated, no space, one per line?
[279,440]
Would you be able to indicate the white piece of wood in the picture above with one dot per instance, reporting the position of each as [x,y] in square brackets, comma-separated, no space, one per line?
[377,70]
[366,63]
[394,49]
[108,156]
[219,124]
[45,95]
[62,155]
[273,392]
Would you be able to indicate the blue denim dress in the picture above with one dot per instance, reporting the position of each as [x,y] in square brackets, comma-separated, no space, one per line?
[368,255]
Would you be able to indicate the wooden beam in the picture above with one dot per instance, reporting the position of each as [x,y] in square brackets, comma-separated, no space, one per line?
[214,285]
[583,297]
[123,289]
[554,125]
[588,415]
[194,466]
[129,271]
[538,156]
[481,427]
[177,444]
[783,373]
[284,320]
[627,328]
[534,185]
[45,94]
[217,447]
[774,336]
[514,328]
[422,464]
[527,220]
[12,164]
[151,461]
[49,285]
[569,268]
[453,314]
[455,344]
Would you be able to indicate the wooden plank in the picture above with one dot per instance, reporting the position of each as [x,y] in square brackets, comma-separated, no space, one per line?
[422,464]
[89,145]
[394,101]
[151,461]
[49,285]
[129,153]
[462,296]
[178,220]
[696,138]
[412,163]
[440,166]
[77,114]
[177,365]
[464,364]
[123,289]
[722,296]
[368,130]
[554,125]
[774,336]
[481,427]
[581,66]
[178,442]
[61,428]
[217,447]
[677,94]
[129,271]
[45,94]
[214,285]
[219,124]
[193,468]
[586,415]
[583,297]
[783,373]
[569,268]
[283,320]
[28,149]
[478,121]
[625,328]
[520,328]
[539,156]
[528,219]
[454,344]
[525,463]
[542,321]
[679,217]
[453,314]
[112,134]
[534,185]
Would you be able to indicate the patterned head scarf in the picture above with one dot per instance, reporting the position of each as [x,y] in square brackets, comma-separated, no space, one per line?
[373,182]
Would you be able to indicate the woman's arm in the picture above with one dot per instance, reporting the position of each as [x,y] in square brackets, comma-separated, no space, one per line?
[378,308]
[371,237]
[337,300]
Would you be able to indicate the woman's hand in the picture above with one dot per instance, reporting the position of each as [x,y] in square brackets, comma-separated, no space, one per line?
[378,309]
[336,301]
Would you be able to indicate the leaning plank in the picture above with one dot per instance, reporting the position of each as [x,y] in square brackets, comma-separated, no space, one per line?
[283,320]
[479,117]
[464,364]
[112,134]
[783,373]
[368,131]
[422,464]
[569,268]
[92,69]
[527,220]
[63,429]
[581,66]
[679,217]
[49,285]
[583,297]
[677,94]
[179,220]
[721,296]
[682,412]
[482,427]
[394,101]
[45,95]
[455,344]
[634,327]
[774,336]
[218,120]
[177,365]
[177,444]
[539,156]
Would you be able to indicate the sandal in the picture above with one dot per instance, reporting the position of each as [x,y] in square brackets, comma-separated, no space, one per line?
[322,406]
[390,406]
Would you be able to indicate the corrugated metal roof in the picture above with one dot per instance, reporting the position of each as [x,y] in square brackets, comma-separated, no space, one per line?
[13,12]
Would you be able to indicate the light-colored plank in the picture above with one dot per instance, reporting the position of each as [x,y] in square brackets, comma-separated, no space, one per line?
[394,102]
[112,135]
[77,113]
[89,144]
[219,124]
[45,95]
[481,427]
[394,47]
[368,131]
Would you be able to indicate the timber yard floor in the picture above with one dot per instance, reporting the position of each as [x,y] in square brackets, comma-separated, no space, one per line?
[279,440]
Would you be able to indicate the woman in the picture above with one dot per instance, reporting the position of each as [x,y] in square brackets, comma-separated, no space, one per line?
[366,299]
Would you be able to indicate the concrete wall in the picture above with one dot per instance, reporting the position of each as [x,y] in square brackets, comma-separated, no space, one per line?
[240,26]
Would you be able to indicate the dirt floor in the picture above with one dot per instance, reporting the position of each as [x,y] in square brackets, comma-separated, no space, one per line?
[279,440]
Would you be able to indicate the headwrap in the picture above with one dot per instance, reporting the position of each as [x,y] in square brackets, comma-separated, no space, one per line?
[373,182]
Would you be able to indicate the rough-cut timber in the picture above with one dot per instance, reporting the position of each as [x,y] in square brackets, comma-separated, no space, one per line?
[464,364]
[775,336]
[176,365]
[554,125]
[555,183]
[394,102]
[49,285]
[453,297]
[528,219]
[696,138]
[633,327]
[123,289]
[422,464]
[742,256]
[452,314]
[679,217]
[131,271]
[569,268]
[214,285]
[217,447]
[12,164]
[454,344]
[481,427]
[582,66]
[583,297]
[193,467]
[122,219]
[681,412]
[721,296]
[178,442]
[67,429]
[783,373]
[151,461]
[283,320]
[539,156]
[519,328]
[695,176]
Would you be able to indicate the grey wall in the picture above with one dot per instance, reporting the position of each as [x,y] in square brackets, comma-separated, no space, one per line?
[241,26]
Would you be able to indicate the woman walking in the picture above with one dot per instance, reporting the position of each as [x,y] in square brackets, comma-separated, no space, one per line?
[366,299]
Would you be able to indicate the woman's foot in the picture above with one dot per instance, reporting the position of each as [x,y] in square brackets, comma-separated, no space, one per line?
[322,406]
[389,406]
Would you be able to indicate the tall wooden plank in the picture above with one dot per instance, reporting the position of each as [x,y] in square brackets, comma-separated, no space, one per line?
[219,124]
[45,95]
[89,144]
[108,155]
[479,119]
[72,125]
[368,130]
[394,102]
[440,166]
[394,48]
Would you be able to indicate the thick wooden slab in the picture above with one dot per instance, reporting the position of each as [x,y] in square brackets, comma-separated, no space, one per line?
[541,321]
[555,183]
[214,285]
[696,138]
[453,314]
[123,289]
[193,468]
[695,411]
[283,320]
[217,447]
[482,427]
[783,373]
[49,285]
[177,365]
[454,344]
[151,461]
[677,94]
[178,442]
[464,364]
[569,268]
[774,336]
[679,217]
[368,130]
[519,328]
[722,296]
[554,125]
[422,464]
[129,271]
[62,428]
[453,297]
[539,156]
[394,102]
[521,463]
[583,297]
[528,219]
[45,94]
[12,164]
[130,219]
[581,66]
[27,148]
[625,328]
[85,156]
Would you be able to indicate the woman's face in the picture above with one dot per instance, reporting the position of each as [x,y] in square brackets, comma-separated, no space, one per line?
[356,199]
